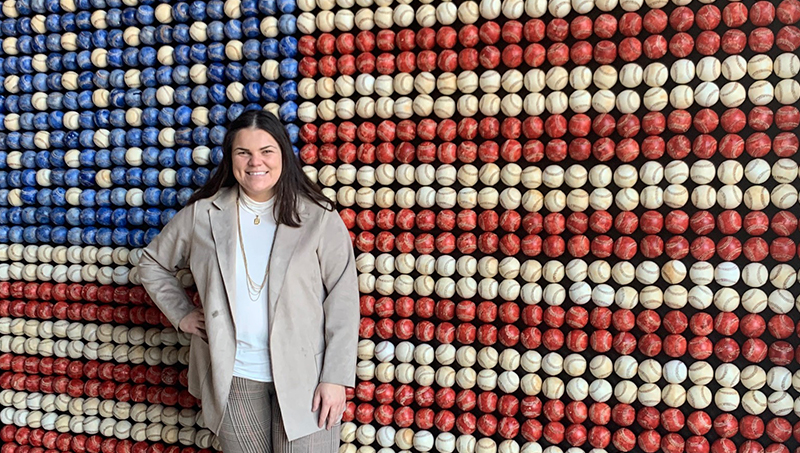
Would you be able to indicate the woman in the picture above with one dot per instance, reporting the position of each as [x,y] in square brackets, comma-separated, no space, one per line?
[274,344]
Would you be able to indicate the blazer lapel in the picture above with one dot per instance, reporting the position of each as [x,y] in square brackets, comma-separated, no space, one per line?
[223,229]
[286,240]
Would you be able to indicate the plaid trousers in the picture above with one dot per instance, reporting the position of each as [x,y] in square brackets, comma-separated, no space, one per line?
[253,424]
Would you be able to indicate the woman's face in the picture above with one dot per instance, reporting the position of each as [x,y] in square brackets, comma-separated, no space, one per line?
[257,163]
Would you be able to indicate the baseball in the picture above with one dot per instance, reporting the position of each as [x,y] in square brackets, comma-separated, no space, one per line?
[702,172]
[655,75]
[682,71]
[754,402]
[756,198]
[651,173]
[755,275]
[631,75]
[650,371]
[628,102]
[730,172]
[786,65]
[535,80]
[726,273]
[580,78]
[727,399]
[656,99]
[734,67]
[603,100]
[676,172]
[787,91]
[605,77]
[761,92]
[785,171]
[708,69]
[580,101]
[733,94]
[676,196]
[730,196]
[681,97]
[699,396]
[704,197]
[754,300]
[780,403]
[759,67]
[706,94]
[757,171]
[701,373]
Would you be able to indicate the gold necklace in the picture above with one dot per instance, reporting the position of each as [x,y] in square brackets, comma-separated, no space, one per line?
[253,289]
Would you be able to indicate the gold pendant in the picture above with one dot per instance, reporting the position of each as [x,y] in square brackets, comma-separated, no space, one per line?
[257,221]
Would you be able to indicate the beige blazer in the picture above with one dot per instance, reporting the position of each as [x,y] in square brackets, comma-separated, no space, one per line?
[313,303]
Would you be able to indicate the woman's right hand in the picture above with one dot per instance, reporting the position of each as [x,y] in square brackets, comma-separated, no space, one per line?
[194,323]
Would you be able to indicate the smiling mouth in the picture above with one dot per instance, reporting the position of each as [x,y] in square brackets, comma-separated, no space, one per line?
[256,173]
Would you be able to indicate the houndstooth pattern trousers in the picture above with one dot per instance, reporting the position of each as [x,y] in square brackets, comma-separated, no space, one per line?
[253,424]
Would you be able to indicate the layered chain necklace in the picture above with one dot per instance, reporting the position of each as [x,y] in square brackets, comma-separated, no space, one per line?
[254,289]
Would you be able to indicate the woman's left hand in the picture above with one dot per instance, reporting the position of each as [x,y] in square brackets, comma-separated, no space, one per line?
[330,400]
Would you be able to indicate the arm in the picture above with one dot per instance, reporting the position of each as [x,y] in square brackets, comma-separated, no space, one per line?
[161,259]
[341,306]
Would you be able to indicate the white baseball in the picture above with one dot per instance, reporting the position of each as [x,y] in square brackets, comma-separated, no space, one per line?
[754,402]
[469,12]
[605,77]
[603,101]
[734,67]
[730,172]
[784,171]
[682,71]
[756,198]
[787,65]
[761,92]
[628,102]
[708,69]
[655,75]
[757,171]
[656,99]
[787,91]
[732,94]
[490,9]
[701,373]
[727,399]
[726,273]
[754,300]
[753,377]
[755,275]
[706,94]
[580,78]
[729,196]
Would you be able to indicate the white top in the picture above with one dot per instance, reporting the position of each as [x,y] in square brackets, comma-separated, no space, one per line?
[252,317]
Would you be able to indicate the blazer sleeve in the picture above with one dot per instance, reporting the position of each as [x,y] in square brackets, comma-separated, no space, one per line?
[161,260]
[341,305]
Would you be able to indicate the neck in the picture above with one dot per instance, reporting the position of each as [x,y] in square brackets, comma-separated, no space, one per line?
[256,198]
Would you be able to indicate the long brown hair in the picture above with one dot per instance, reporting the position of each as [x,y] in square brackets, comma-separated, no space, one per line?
[292,183]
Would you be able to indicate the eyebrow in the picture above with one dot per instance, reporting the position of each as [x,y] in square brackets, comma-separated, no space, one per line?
[240,148]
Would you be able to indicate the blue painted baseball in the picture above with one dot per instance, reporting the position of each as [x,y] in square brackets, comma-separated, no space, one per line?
[15,178]
[201,175]
[183,195]
[133,137]
[14,216]
[148,237]
[217,114]
[118,196]
[287,6]
[251,27]
[53,25]
[39,82]
[130,57]
[145,14]
[215,73]
[102,158]
[87,177]
[129,17]
[15,234]
[180,33]
[87,217]
[100,39]
[39,44]
[183,114]
[71,177]
[13,140]
[52,6]
[28,195]
[268,7]
[54,119]
[87,158]
[150,136]
[163,117]
[103,216]
[42,216]
[131,98]
[251,50]
[29,215]
[288,111]
[169,196]
[183,156]
[287,24]
[197,10]
[200,135]
[103,197]
[252,92]
[26,121]
[183,95]
[53,83]
[116,118]
[180,75]
[288,46]
[216,31]
[152,196]
[150,116]
[29,177]
[184,176]
[27,140]
[233,29]
[251,70]
[150,177]
[233,72]
[182,54]
[214,52]
[105,79]
[25,44]
[183,136]
[164,34]
[167,158]
[118,176]
[42,159]
[69,61]
[133,176]
[180,12]
[119,217]
[288,68]
[68,23]
[86,138]
[150,156]
[26,102]
[70,100]
[58,216]
[152,217]
[133,216]
[148,77]
[86,120]
[288,90]
[147,57]
[217,93]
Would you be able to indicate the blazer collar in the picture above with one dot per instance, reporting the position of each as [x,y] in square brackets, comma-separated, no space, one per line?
[224,231]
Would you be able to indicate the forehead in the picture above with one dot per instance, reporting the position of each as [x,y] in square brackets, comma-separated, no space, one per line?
[253,138]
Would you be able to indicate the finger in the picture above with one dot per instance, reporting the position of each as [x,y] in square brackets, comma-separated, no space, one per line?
[201,325]
[331,420]
[315,404]
[323,414]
